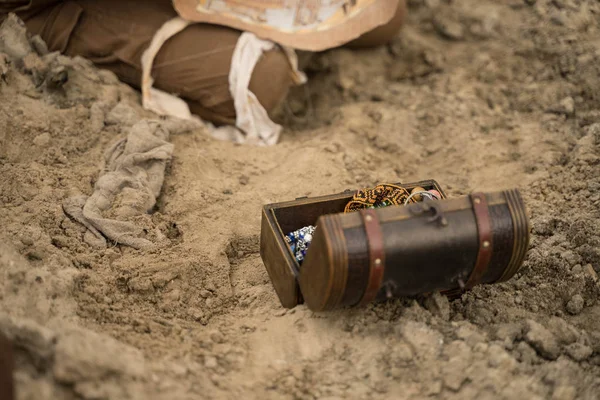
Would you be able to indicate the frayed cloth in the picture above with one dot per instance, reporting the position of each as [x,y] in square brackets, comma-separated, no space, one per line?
[130,182]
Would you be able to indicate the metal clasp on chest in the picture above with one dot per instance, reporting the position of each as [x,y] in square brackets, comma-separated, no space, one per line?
[429,207]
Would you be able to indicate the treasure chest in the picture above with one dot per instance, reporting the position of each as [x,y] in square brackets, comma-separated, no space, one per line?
[367,254]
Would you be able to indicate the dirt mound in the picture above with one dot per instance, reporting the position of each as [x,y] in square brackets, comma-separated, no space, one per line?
[480,95]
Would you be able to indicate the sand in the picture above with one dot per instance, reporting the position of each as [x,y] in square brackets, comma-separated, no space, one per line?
[477,94]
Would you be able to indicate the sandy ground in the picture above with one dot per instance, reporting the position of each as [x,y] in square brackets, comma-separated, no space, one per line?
[477,94]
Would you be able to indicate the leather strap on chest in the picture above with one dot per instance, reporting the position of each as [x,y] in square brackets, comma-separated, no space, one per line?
[376,254]
[484,234]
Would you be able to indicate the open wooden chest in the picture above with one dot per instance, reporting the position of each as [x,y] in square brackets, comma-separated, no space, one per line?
[357,257]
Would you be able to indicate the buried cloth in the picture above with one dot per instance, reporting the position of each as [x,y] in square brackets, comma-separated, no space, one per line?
[130,182]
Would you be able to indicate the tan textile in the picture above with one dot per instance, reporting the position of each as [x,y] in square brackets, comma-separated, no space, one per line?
[313,25]
[131,180]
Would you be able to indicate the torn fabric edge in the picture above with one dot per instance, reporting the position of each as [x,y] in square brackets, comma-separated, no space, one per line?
[253,125]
